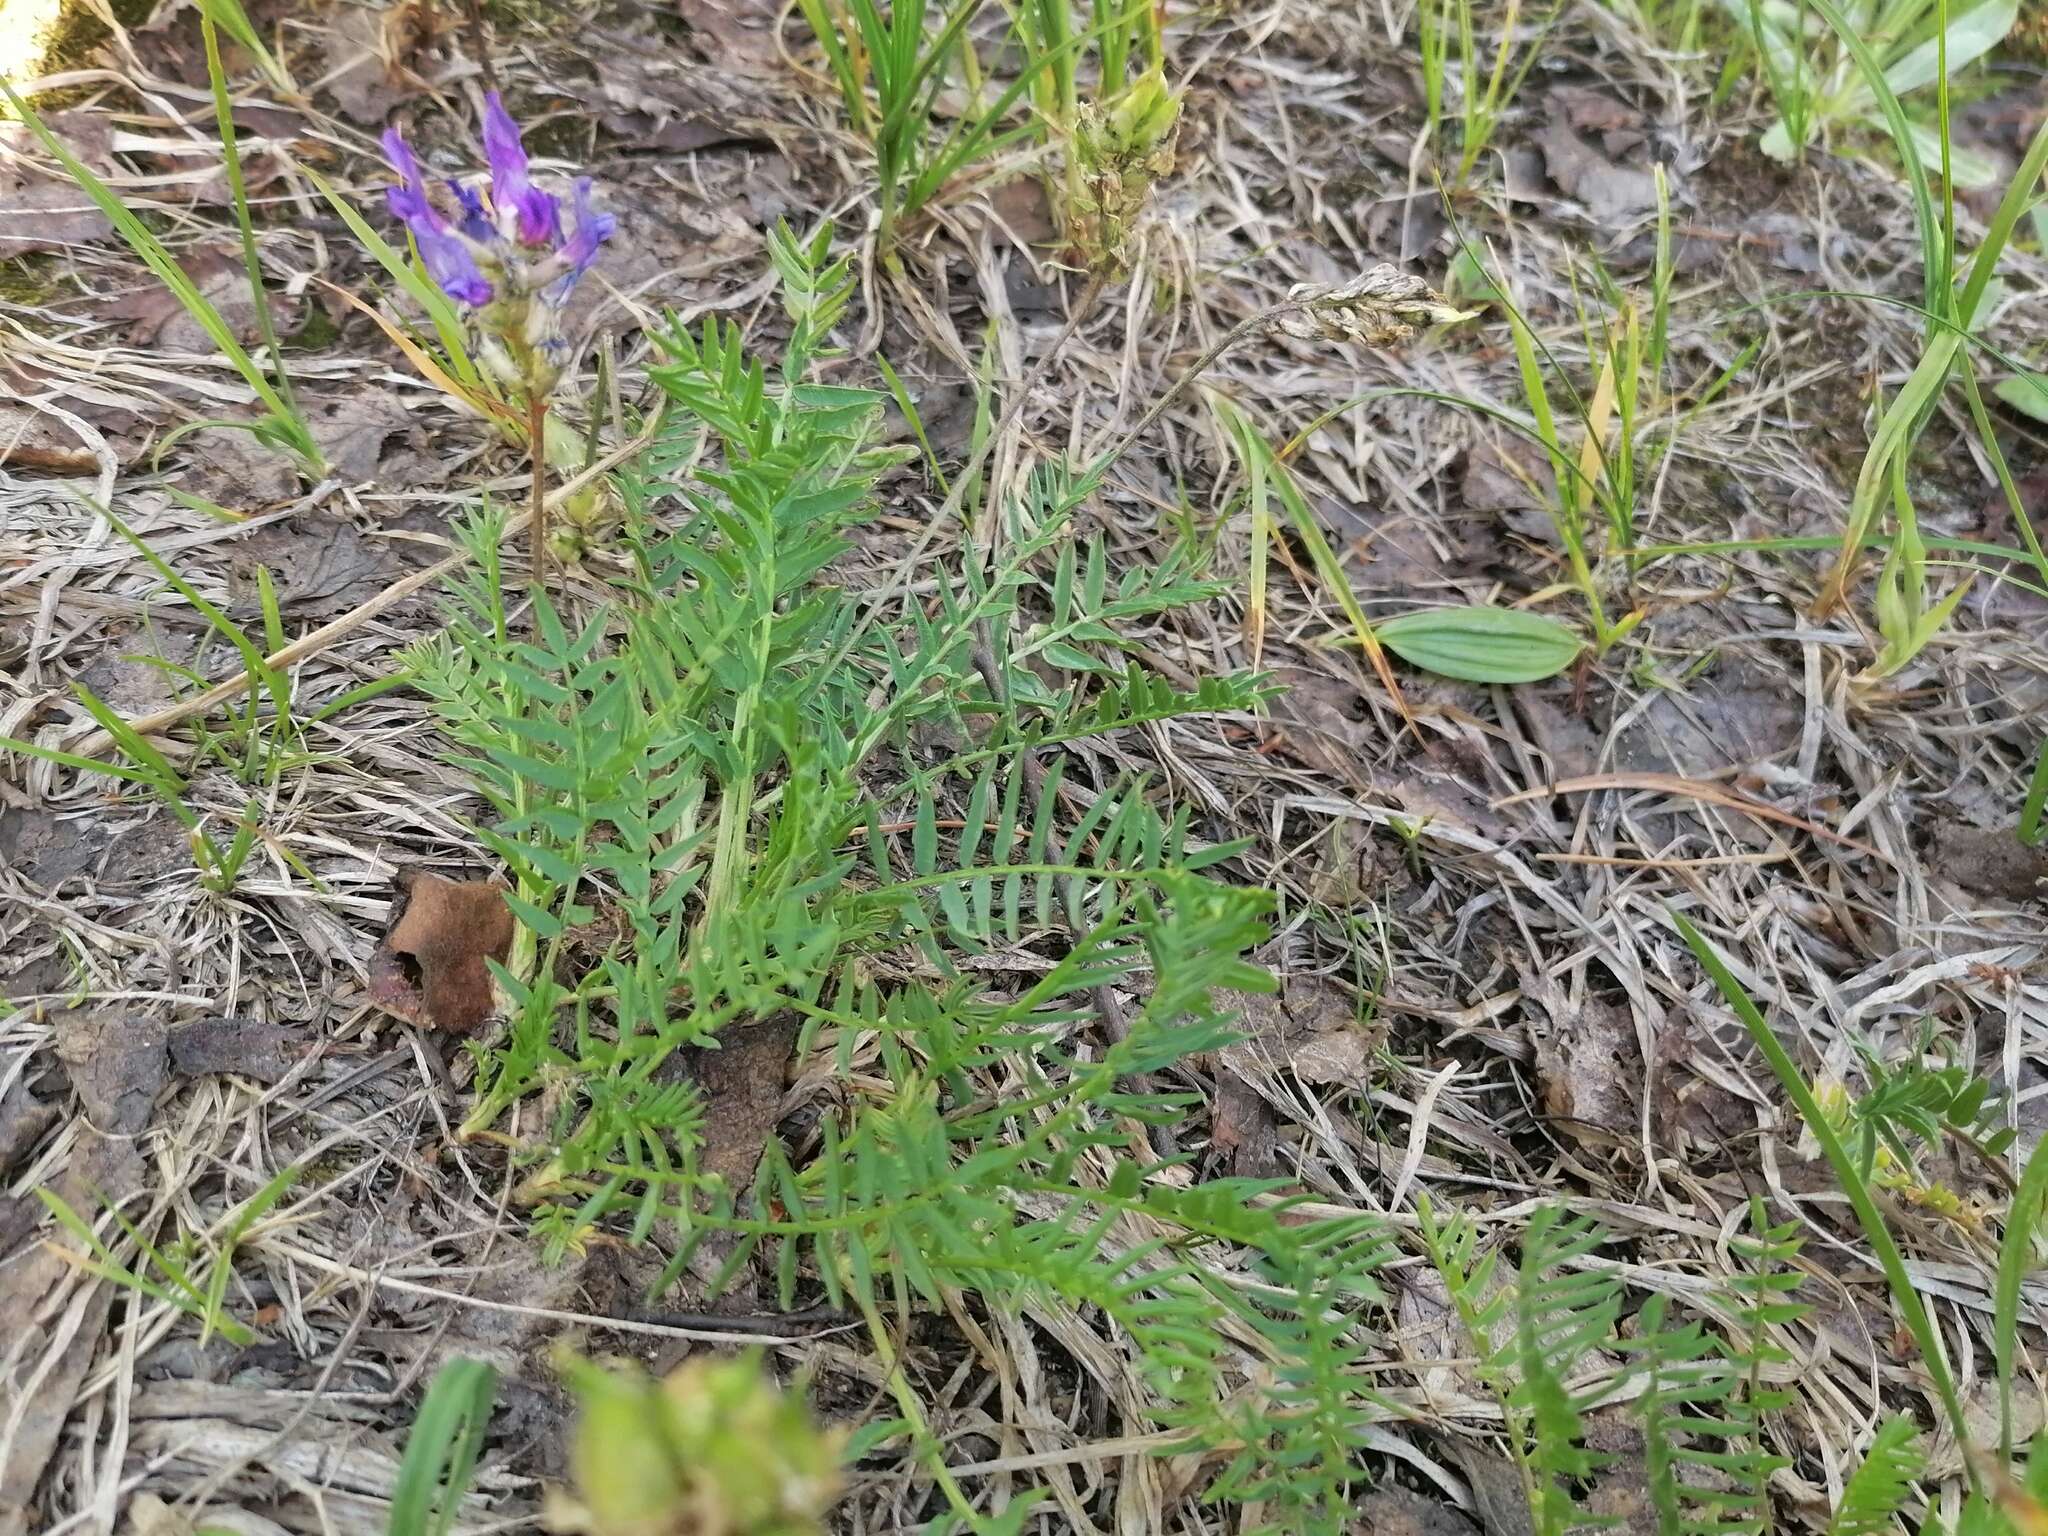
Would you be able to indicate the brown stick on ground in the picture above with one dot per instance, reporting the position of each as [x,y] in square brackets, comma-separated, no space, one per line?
[480,43]
[318,640]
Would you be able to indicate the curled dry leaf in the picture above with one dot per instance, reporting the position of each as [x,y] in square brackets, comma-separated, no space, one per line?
[430,969]
[742,1083]
[31,439]
[1610,178]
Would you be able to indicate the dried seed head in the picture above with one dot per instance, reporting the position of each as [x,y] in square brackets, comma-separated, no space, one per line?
[1380,307]
[1118,154]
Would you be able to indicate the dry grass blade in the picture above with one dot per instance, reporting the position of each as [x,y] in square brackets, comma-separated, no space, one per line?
[1690,789]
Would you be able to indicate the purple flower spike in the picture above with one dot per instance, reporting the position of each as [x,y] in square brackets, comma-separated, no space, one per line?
[502,255]
[539,215]
[447,257]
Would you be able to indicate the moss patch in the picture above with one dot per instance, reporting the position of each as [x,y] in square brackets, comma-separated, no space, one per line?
[32,279]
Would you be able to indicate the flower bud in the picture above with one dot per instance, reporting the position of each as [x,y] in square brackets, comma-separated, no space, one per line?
[717,1449]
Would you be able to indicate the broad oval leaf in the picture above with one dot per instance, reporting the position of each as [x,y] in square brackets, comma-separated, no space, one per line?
[1777,140]
[2026,393]
[1969,168]
[1970,36]
[1481,644]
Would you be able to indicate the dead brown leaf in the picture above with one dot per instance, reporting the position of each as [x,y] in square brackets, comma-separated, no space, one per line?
[41,208]
[32,439]
[1730,716]
[1509,476]
[1695,1102]
[117,1065]
[377,46]
[319,566]
[1394,1511]
[1591,111]
[1618,1496]
[1352,869]
[156,318]
[1496,1483]
[244,1047]
[1588,1063]
[23,1119]
[355,431]
[1243,1130]
[1588,173]
[1571,746]
[742,1082]
[1310,1027]
[229,466]
[1025,209]
[429,970]
[41,1285]
[1987,861]
[652,100]
[738,35]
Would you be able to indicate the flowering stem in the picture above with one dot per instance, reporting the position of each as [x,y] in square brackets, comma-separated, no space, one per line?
[536,446]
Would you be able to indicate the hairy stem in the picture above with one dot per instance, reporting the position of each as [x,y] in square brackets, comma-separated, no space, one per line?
[536,448]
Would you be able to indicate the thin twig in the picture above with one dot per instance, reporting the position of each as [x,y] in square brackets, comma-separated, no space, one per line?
[480,43]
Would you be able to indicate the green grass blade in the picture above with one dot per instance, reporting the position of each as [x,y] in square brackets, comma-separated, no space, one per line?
[1932,245]
[2016,1256]
[163,776]
[910,414]
[825,28]
[976,133]
[238,193]
[2037,797]
[253,1209]
[254,660]
[2019,196]
[1890,1260]
[82,764]
[141,240]
[440,312]
[441,1451]
[229,16]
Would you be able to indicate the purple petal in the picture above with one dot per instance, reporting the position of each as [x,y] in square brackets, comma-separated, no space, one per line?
[540,216]
[475,222]
[408,199]
[450,264]
[580,249]
[448,260]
